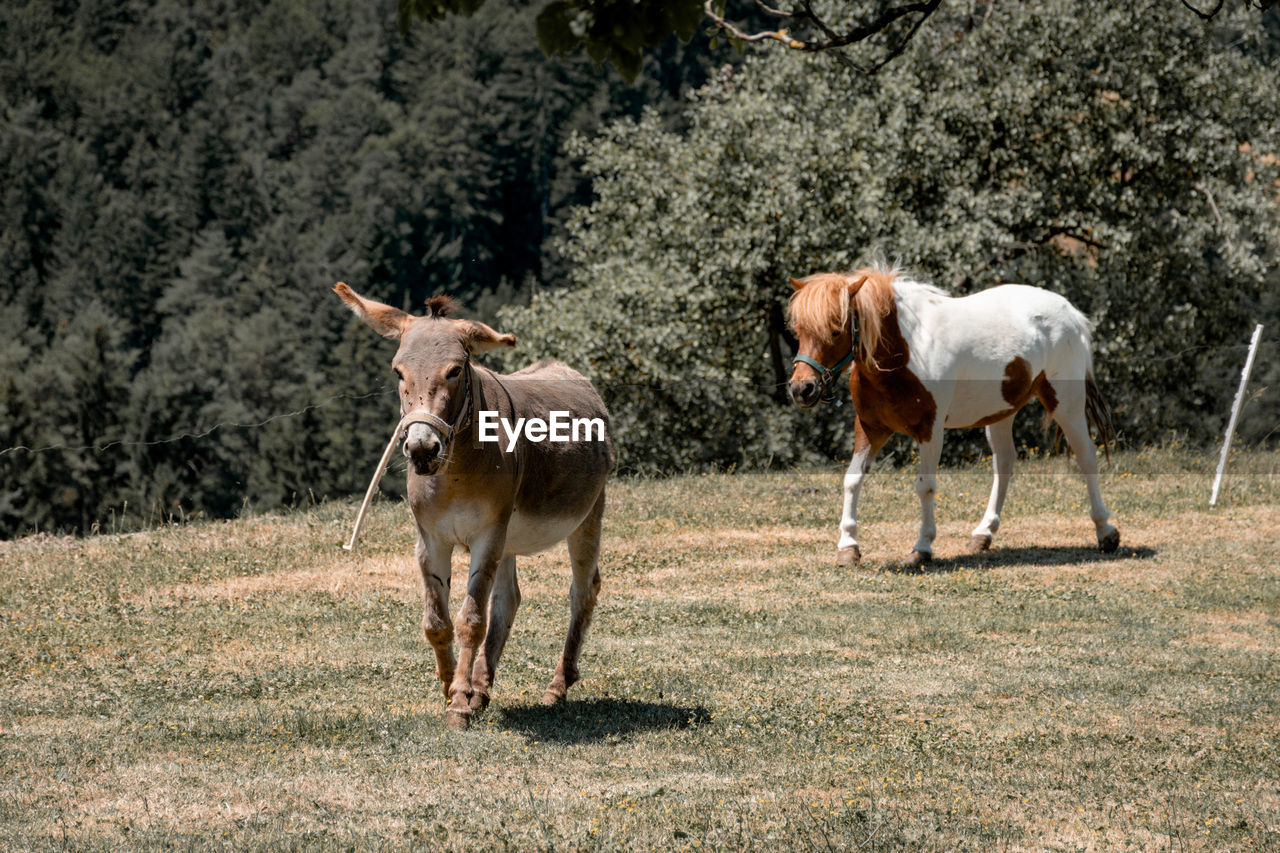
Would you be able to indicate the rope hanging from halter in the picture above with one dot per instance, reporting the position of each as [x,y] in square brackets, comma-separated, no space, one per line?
[437,424]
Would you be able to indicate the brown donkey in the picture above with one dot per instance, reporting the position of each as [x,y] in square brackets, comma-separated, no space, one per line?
[498,493]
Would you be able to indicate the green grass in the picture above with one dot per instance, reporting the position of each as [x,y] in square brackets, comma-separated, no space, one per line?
[249,684]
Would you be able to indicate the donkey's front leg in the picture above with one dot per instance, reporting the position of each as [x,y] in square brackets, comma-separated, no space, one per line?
[503,603]
[867,441]
[472,622]
[927,489]
[434,560]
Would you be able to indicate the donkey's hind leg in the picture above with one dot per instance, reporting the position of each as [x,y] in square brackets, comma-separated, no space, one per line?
[584,555]
[1070,416]
[1003,453]
[503,603]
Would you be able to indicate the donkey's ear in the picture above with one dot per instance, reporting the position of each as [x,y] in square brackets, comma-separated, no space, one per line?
[383,319]
[854,283]
[480,338]
[795,284]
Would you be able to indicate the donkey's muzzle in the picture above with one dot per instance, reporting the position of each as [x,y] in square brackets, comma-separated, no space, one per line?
[805,393]
[424,449]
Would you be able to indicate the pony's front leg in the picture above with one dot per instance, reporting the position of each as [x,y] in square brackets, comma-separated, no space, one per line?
[472,623]
[867,441]
[1003,452]
[927,490]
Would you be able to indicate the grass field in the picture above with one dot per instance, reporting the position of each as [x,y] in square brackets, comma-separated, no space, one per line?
[251,685]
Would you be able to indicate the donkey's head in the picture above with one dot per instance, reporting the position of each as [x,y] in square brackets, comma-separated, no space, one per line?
[434,368]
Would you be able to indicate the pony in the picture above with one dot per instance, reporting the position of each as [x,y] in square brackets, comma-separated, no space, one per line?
[499,499]
[922,361]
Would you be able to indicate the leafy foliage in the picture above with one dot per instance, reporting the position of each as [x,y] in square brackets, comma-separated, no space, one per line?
[182,186]
[1050,144]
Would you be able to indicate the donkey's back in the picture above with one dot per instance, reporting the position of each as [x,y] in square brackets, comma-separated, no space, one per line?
[557,477]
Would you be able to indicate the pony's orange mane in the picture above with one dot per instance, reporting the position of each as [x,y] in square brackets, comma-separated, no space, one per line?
[820,305]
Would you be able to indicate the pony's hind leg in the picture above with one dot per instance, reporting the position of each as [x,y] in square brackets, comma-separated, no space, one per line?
[1075,426]
[1003,453]
[867,442]
[584,556]
[503,603]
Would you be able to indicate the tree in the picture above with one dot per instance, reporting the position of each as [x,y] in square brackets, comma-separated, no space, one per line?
[621,31]
[1048,144]
[195,178]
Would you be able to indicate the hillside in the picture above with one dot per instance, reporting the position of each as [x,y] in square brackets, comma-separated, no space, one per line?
[249,684]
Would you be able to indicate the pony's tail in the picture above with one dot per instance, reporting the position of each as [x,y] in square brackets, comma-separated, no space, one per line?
[1096,412]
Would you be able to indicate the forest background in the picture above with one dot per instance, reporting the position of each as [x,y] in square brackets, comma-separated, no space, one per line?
[183,182]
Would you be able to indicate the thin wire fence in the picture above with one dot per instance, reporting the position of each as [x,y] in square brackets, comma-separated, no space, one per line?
[1253,436]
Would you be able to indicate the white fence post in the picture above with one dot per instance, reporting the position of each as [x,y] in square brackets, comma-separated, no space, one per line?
[1235,412]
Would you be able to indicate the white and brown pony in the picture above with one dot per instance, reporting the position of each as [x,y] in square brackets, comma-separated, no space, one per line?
[494,499]
[922,362]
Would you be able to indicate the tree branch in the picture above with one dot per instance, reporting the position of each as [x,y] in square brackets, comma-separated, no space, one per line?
[902,45]
[1204,16]
[1017,250]
[830,40]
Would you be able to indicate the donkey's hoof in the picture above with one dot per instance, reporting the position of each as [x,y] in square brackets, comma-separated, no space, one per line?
[916,559]
[458,719]
[1110,542]
[979,543]
[850,556]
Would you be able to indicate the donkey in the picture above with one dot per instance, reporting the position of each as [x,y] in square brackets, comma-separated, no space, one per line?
[922,362]
[497,499]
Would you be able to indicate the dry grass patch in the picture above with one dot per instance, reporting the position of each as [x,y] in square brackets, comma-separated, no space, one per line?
[251,685]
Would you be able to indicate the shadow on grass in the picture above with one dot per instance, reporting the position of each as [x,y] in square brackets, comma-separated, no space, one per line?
[599,719]
[1036,555]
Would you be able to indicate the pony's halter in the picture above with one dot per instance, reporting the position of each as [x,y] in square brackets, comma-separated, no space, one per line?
[827,376]
[442,428]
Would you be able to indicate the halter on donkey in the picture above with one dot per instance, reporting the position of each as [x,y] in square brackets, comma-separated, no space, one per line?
[923,362]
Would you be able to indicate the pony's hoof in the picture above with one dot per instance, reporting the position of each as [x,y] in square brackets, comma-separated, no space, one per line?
[979,543]
[850,556]
[457,719]
[1110,542]
[479,701]
[919,558]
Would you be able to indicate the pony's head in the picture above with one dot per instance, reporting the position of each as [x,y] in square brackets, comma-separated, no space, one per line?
[837,318]
[433,366]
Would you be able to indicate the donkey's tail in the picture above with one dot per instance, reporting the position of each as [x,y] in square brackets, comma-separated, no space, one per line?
[1098,414]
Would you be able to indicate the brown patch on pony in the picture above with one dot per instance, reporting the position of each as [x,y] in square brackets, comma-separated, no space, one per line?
[991,419]
[441,306]
[886,394]
[1016,388]
[1045,394]
[1049,399]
